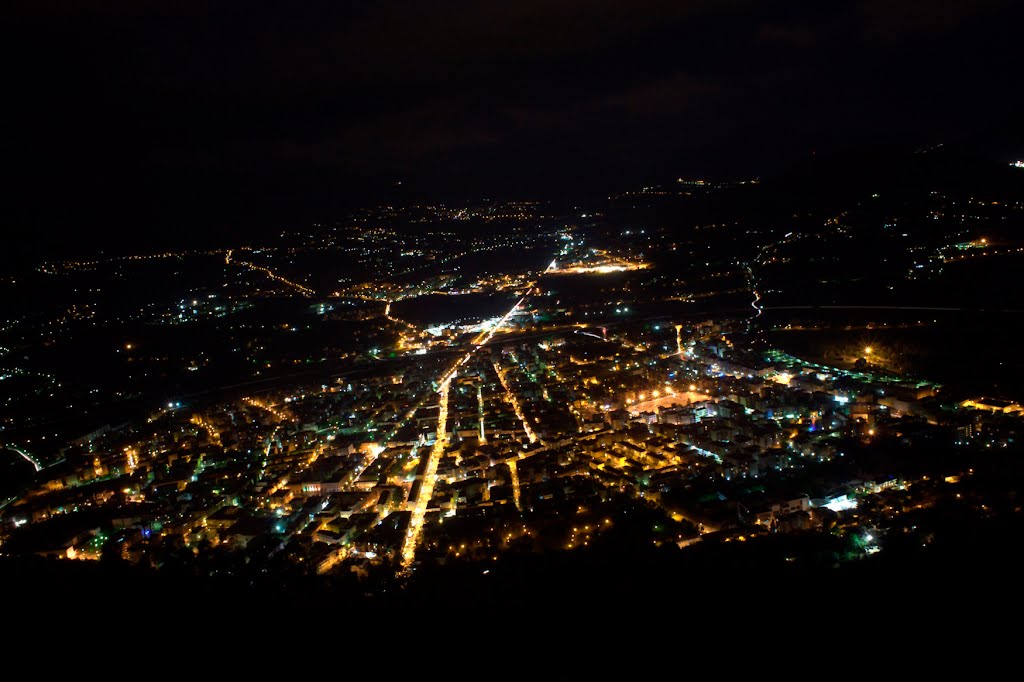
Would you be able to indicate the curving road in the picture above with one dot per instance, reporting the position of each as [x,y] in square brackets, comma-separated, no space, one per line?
[27,457]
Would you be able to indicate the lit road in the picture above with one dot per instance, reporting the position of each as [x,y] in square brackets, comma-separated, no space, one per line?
[516,407]
[485,337]
[756,303]
[370,458]
[210,429]
[480,409]
[259,404]
[398,320]
[419,509]
[27,457]
[305,291]
[625,343]
[514,473]
[482,340]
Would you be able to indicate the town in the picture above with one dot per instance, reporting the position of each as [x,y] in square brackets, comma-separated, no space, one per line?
[534,431]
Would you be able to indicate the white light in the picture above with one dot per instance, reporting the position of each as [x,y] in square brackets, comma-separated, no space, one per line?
[841,503]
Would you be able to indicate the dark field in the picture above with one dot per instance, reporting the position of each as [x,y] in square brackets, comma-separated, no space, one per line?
[974,352]
[440,309]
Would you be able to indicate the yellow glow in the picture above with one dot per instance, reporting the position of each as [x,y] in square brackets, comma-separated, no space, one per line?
[867,350]
[132,459]
[419,508]
[515,483]
[266,407]
[516,407]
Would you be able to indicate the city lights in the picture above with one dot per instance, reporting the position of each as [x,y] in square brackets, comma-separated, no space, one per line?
[464,313]
[371,440]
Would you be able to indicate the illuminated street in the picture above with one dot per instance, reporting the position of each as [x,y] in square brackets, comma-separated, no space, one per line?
[304,290]
[514,473]
[418,507]
[27,457]
[429,480]
[500,371]
[480,410]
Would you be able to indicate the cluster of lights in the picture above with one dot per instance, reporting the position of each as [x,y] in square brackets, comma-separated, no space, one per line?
[53,268]
[253,402]
[131,456]
[306,291]
[205,424]
[487,331]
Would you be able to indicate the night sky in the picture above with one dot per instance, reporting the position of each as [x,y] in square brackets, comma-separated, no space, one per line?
[127,115]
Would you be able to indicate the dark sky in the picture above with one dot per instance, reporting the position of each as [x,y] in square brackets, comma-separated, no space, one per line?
[156,112]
